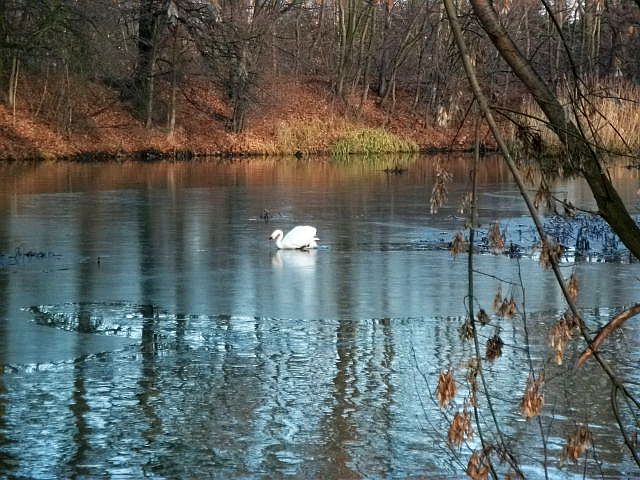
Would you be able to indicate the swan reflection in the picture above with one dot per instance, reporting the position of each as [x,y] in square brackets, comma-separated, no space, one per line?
[300,260]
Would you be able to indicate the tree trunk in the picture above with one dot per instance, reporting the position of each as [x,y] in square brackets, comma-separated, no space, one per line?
[385,58]
[296,68]
[367,64]
[171,116]
[13,84]
[240,90]
[147,38]
[581,154]
[342,48]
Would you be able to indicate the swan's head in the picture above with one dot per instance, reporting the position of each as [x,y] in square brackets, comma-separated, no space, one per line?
[276,234]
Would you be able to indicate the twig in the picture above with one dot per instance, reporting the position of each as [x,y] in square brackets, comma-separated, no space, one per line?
[480,272]
[614,408]
[531,370]
[568,205]
[613,324]
[472,233]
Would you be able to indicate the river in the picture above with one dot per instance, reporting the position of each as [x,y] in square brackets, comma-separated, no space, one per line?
[149,328]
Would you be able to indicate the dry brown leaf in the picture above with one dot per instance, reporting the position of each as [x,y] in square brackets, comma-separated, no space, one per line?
[573,287]
[551,252]
[533,399]
[458,244]
[478,467]
[578,442]
[561,333]
[466,330]
[497,300]
[482,317]
[494,347]
[496,238]
[460,428]
[446,390]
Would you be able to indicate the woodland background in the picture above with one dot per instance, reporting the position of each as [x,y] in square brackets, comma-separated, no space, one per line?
[274,76]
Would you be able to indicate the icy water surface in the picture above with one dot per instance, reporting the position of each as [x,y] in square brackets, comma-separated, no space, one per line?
[149,329]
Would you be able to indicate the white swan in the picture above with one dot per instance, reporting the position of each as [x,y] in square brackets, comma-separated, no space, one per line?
[301,237]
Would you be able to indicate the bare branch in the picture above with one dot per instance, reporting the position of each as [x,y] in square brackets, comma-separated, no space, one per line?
[615,323]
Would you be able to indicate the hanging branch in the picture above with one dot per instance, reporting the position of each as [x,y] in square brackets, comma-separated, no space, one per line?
[486,111]
[581,154]
[476,344]
[530,361]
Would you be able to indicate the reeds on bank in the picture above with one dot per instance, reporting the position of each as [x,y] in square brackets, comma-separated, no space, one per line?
[607,111]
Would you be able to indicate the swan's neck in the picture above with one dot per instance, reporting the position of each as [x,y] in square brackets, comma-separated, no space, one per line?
[279,241]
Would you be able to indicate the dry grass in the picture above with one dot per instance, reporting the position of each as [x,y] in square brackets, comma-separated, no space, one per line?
[371,141]
[609,114]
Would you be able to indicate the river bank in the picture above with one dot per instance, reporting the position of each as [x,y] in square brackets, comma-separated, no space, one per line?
[304,118]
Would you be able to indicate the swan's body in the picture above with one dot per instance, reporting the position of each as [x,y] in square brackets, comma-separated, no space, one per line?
[301,237]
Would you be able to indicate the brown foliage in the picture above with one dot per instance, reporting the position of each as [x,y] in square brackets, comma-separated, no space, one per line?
[446,389]
[482,317]
[507,308]
[578,442]
[102,122]
[458,244]
[533,399]
[561,333]
[496,238]
[478,467]
[465,204]
[572,287]
[551,252]
[497,300]
[439,192]
[466,330]
[460,428]
[494,347]
[543,196]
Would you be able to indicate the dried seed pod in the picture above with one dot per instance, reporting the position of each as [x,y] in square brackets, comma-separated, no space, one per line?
[508,308]
[533,399]
[482,317]
[494,347]
[497,300]
[561,333]
[472,370]
[551,252]
[465,204]
[472,380]
[543,196]
[496,238]
[458,244]
[446,389]
[572,287]
[478,467]
[578,442]
[460,428]
[466,330]
[439,192]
